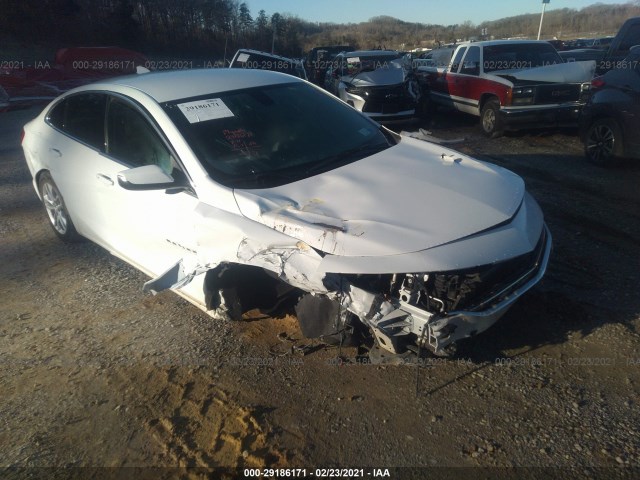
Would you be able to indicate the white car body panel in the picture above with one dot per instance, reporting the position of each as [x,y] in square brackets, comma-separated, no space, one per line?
[322,212]
[571,72]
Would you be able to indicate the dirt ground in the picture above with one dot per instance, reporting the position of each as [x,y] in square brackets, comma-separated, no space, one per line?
[97,374]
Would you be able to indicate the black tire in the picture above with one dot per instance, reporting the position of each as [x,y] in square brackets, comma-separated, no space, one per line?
[490,119]
[57,213]
[603,142]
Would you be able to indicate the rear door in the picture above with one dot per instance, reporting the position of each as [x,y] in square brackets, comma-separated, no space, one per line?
[75,156]
[96,136]
[465,86]
[445,85]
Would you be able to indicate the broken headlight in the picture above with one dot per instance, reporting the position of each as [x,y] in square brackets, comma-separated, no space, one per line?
[470,289]
[523,96]
[350,88]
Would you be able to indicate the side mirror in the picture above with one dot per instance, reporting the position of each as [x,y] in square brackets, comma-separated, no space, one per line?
[147,177]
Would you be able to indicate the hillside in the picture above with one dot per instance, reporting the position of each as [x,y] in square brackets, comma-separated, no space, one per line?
[214,29]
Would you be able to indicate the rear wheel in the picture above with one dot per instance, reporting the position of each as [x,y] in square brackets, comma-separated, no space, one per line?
[490,119]
[56,210]
[603,143]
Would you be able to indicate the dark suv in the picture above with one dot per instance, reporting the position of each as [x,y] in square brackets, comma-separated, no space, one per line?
[610,121]
[319,60]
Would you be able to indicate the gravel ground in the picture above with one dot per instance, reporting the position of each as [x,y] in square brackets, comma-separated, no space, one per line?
[97,374]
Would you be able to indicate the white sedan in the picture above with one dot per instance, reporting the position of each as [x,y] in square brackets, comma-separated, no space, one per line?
[240,189]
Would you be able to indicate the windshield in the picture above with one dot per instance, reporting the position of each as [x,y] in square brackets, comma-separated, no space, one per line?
[268,136]
[518,56]
[267,62]
[353,62]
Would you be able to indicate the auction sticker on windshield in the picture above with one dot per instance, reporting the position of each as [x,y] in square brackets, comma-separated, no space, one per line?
[203,110]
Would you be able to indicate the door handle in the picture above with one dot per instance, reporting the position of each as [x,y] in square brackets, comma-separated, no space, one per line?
[56,151]
[105,179]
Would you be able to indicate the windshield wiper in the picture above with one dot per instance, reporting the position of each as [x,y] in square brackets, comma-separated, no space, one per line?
[266,179]
[345,157]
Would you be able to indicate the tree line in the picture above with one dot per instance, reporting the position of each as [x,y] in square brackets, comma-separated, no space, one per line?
[216,28]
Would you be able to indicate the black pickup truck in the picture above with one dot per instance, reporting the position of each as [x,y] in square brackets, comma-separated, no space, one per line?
[627,37]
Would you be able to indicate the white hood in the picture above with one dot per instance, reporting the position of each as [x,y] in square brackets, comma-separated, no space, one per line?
[572,72]
[408,198]
[393,74]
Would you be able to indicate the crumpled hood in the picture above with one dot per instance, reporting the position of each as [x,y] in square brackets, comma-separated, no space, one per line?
[392,74]
[408,198]
[572,72]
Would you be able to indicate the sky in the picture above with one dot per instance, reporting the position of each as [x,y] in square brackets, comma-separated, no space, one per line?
[442,12]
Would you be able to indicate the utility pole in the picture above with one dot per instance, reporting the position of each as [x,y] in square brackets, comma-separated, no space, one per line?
[544,5]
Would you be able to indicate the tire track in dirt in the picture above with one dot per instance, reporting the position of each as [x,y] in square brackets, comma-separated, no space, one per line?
[198,425]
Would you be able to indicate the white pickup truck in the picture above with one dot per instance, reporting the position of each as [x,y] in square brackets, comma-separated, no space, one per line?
[509,84]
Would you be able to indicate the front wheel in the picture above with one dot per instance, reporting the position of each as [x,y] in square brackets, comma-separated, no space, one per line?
[490,119]
[425,107]
[59,218]
[603,142]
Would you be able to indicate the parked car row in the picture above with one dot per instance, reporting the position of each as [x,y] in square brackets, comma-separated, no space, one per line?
[608,57]
[256,60]
[375,82]
[509,85]
[601,43]
[610,121]
[319,60]
[23,86]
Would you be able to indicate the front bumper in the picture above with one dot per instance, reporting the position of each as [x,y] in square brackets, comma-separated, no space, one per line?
[555,115]
[468,324]
[380,105]
[437,331]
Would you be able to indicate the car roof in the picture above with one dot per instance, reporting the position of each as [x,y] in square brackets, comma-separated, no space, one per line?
[266,54]
[490,43]
[372,53]
[177,84]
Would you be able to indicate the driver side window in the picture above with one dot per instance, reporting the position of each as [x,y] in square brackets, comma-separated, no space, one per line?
[133,140]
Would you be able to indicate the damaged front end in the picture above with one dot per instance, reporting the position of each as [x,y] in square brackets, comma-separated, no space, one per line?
[423,310]
[390,92]
[414,280]
[404,311]
[380,102]
[434,310]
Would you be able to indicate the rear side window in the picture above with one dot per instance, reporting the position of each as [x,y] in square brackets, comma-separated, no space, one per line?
[264,62]
[57,114]
[457,59]
[83,118]
[471,64]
